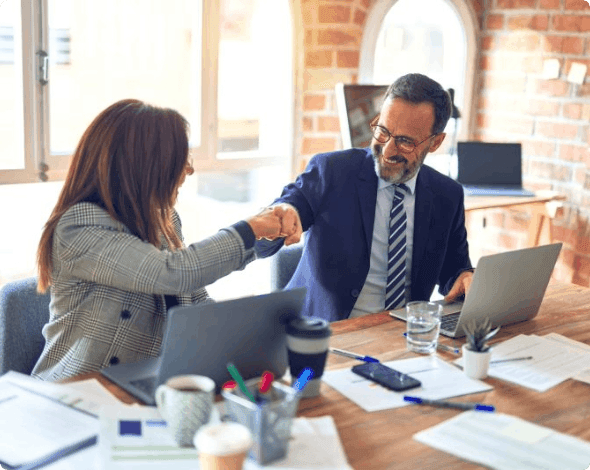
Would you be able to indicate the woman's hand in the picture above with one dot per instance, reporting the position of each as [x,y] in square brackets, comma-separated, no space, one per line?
[277,221]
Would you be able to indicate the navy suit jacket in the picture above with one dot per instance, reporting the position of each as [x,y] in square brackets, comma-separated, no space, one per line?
[336,198]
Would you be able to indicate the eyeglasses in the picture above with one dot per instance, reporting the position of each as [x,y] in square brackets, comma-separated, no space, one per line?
[382,135]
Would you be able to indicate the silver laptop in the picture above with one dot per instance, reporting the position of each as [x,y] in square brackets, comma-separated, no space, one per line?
[490,169]
[507,287]
[201,339]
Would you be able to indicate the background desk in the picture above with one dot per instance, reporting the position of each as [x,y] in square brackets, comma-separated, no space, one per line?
[383,440]
[542,207]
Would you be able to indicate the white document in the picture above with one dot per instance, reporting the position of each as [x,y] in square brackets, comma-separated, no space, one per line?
[439,379]
[137,438]
[504,442]
[64,393]
[37,426]
[583,376]
[93,390]
[552,362]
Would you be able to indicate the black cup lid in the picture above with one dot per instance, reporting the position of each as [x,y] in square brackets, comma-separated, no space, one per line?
[309,327]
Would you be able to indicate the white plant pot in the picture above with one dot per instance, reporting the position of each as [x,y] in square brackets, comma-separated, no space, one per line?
[475,363]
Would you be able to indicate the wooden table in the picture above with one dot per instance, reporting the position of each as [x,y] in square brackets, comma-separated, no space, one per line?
[542,207]
[383,440]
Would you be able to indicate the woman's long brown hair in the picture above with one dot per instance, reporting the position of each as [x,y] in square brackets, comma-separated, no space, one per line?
[132,158]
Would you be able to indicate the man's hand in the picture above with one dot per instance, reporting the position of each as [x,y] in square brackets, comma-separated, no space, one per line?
[277,221]
[460,287]
[290,222]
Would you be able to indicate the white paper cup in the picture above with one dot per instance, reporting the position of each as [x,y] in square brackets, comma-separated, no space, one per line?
[223,446]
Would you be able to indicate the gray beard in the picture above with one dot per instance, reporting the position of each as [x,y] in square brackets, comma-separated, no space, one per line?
[388,179]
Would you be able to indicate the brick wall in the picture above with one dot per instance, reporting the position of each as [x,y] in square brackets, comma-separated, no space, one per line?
[550,117]
[513,101]
[332,38]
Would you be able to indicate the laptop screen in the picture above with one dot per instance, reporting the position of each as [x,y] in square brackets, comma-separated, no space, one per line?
[489,164]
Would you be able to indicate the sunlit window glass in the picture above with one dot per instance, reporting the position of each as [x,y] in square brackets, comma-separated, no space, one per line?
[255,77]
[110,50]
[11,91]
[424,36]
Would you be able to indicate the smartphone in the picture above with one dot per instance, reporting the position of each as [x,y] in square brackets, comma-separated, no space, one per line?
[386,376]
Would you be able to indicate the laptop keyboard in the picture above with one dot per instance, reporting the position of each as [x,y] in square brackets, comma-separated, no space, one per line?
[449,322]
[147,384]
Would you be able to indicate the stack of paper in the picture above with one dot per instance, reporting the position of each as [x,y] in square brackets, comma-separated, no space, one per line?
[505,442]
[554,359]
[583,376]
[73,417]
[42,422]
[138,438]
[439,379]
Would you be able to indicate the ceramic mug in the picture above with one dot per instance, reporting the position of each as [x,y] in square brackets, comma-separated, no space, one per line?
[185,402]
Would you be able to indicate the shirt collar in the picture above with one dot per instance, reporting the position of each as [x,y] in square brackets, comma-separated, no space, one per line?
[411,183]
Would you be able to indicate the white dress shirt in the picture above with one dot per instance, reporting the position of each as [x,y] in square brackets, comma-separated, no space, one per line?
[372,296]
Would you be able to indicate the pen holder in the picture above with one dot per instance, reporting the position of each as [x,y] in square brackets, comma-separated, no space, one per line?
[269,422]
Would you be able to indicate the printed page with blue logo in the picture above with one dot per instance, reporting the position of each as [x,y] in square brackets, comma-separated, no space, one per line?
[137,438]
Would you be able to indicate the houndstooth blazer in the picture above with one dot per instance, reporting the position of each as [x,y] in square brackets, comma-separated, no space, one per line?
[107,294]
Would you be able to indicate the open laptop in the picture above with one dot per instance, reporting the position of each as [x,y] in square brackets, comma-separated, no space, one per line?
[201,339]
[507,287]
[490,169]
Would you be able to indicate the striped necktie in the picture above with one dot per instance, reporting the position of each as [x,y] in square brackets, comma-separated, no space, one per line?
[395,288]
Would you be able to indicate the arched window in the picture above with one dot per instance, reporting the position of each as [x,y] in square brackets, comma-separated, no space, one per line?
[433,37]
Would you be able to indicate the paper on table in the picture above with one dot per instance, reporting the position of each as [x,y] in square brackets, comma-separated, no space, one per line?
[144,443]
[93,390]
[504,442]
[316,445]
[582,376]
[62,393]
[552,362]
[439,379]
[37,427]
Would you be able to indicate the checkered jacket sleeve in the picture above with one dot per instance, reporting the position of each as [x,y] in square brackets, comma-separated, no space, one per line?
[108,289]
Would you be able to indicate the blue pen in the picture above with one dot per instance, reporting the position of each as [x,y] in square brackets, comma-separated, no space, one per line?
[301,382]
[358,357]
[449,404]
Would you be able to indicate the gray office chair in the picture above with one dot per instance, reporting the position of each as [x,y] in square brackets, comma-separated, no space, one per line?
[283,264]
[23,313]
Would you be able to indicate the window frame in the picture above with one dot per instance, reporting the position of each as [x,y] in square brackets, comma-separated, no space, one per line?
[41,165]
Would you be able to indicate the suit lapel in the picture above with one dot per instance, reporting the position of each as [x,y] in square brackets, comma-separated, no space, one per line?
[422,212]
[366,184]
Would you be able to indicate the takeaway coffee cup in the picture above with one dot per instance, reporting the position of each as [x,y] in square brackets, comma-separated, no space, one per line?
[223,446]
[185,402]
[308,340]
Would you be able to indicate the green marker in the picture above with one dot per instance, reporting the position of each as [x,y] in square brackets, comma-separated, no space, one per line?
[233,371]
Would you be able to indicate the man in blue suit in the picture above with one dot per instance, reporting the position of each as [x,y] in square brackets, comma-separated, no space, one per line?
[343,201]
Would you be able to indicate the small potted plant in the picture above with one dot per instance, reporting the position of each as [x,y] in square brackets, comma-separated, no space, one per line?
[477,351]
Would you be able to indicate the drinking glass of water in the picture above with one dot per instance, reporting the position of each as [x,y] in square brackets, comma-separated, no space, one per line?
[423,326]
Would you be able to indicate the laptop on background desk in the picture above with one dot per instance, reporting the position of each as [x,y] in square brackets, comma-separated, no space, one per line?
[201,339]
[490,169]
[507,287]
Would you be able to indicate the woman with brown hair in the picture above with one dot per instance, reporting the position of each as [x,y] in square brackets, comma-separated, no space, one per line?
[112,249]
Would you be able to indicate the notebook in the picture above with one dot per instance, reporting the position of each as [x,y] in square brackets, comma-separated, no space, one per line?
[490,169]
[201,339]
[507,287]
